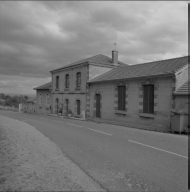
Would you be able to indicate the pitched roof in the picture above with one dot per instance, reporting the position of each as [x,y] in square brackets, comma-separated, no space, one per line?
[169,66]
[45,86]
[184,89]
[97,59]
[31,100]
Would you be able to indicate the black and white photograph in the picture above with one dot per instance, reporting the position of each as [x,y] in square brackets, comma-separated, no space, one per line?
[94,96]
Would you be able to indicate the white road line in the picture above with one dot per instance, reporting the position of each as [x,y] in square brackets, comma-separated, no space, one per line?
[100,132]
[56,121]
[74,125]
[159,149]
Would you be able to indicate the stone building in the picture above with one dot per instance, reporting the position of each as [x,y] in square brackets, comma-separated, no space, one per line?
[69,83]
[30,105]
[43,99]
[141,95]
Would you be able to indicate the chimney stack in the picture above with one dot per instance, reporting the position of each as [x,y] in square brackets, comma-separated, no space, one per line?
[115,57]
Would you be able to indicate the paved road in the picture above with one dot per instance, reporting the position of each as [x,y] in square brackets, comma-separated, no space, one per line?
[118,158]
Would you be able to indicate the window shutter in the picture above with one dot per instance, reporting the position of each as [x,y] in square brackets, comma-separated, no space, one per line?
[151,99]
[145,99]
[68,81]
[80,79]
[121,97]
[76,76]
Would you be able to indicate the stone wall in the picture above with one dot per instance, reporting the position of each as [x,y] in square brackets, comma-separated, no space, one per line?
[162,107]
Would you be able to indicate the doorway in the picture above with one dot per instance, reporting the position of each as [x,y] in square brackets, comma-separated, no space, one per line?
[66,106]
[57,105]
[98,105]
[78,107]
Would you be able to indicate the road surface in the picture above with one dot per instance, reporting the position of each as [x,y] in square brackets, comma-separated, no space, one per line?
[117,157]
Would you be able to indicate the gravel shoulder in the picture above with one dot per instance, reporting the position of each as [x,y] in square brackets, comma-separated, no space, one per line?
[29,161]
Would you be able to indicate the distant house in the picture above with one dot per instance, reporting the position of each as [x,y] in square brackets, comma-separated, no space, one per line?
[43,99]
[69,83]
[141,95]
[30,105]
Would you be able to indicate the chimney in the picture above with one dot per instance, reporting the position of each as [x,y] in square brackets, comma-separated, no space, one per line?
[115,57]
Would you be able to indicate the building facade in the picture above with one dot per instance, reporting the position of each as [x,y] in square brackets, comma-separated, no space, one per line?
[30,106]
[140,96]
[182,98]
[44,99]
[69,83]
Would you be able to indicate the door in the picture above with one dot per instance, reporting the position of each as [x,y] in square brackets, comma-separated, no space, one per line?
[98,105]
[67,106]
[78,107]
[57,105]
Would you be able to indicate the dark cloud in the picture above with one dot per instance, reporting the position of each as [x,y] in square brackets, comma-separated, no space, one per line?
[36,37]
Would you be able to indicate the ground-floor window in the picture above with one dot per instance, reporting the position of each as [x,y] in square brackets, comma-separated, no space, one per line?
[148,99]
[121,97]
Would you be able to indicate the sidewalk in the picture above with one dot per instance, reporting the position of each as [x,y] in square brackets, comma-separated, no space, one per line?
[55,115]
[29,161]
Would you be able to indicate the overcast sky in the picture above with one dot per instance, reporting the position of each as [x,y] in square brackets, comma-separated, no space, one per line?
[36,37]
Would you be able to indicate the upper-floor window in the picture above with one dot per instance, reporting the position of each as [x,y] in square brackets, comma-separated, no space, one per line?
[78,79]
[57,82]
[148,99]
[67,80]
[121,97]
[47,100]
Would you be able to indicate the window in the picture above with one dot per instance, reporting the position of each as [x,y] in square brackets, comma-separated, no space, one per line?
[57,82]
[78,79]
[148,99]
[121,97]
[67,81]
[47,100]
[40,99]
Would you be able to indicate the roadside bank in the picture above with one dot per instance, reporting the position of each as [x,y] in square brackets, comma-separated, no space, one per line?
[29,161]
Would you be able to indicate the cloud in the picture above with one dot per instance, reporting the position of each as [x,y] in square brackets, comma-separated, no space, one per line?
[39,36]
[21,85]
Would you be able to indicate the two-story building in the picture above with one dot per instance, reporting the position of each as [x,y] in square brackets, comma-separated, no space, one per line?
[141,95]
[69,83]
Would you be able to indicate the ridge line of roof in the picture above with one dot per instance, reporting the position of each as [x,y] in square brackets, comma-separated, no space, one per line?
[157,61]
[87,61]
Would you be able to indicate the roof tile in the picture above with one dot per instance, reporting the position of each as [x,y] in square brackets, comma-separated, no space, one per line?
[161,67]
[45,86]
[97,59]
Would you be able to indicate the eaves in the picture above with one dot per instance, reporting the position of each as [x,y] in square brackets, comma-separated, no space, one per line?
[68,67]
[134,78]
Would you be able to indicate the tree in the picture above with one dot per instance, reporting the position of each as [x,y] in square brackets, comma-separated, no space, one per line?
[13,101]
